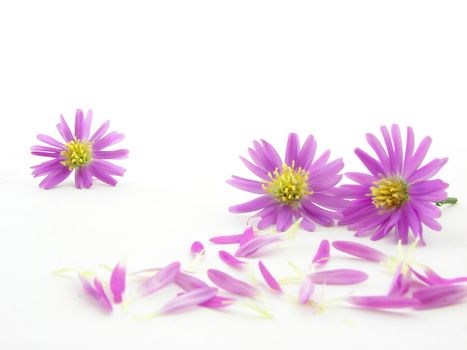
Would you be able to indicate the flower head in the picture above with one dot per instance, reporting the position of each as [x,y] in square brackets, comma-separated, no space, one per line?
[398,194]
[81,152]
[299,187]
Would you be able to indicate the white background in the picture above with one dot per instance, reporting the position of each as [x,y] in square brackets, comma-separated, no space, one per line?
[191,84]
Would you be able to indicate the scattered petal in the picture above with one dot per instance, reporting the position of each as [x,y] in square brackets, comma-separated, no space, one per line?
[360,250]
[197,248]
[188,300]
[231,284]
[269,278]
[118,282]
[256,245]
[339,277]
[229,259]
[382,302]
[161,279]
[323,253]
[306,290]
[440,295]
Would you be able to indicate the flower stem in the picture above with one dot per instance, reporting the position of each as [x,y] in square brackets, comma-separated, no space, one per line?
[449,200]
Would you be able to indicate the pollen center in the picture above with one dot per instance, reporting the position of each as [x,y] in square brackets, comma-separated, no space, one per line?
[76,154]
[389,193]
[289,185]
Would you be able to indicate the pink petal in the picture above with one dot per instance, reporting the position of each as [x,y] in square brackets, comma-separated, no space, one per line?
[401,282]
[231,284]
[118,282]
[230,239]
[269,278]
[247,235]
[257,244]
[229,259]
[306,290]
[440,295]
[197,248]
[339,277]
[218,302]
[322,254]
[189,282]
[103,299]
[360,250]
[382,302]
[188,300]
[161,279]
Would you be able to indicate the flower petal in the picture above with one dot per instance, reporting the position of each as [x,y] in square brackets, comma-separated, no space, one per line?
[188,300]
[306,290]
[269,278]
[382,302]
[188,282]
[161,279]
[440,295]
[229,259]
[197,248]
[360,250]
[322,254]
[339,277]
[255,204]
[118,282]
[231,284]
[257,244]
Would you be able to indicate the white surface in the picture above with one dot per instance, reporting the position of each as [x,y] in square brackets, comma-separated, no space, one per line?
[191,84]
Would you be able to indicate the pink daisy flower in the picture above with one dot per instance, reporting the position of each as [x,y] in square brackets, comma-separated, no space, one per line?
[81,152]
[398,194]
[299,187]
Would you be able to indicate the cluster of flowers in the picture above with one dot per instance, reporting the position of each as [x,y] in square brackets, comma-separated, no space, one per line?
[397,195]
[413,285]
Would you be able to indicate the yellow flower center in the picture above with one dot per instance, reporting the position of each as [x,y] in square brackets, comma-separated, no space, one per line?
[389,193]
[76,154]
[288,186]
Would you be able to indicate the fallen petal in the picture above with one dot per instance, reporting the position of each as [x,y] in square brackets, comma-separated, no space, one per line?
[197,248]
[188,300]
[401,282]
[440,295]
[231,239]
[103,299]
[161,279]
[339,277]
[247,235]
[269,278]
[218,302]
[360,250]
[231,284]
[257,244]
[118,282]
[306,290]
[382,302]
[229,259]
[188,282]
[322,254]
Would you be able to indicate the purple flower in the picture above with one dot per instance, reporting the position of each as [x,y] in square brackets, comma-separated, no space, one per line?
[82,152]
[397,195]
[299,187]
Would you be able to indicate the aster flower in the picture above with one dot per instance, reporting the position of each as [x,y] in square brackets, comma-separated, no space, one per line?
[299,187]
[398,195]
[81,152]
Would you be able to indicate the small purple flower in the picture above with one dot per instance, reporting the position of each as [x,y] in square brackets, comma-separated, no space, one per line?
[397,195]
[299,187]
[82,152]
